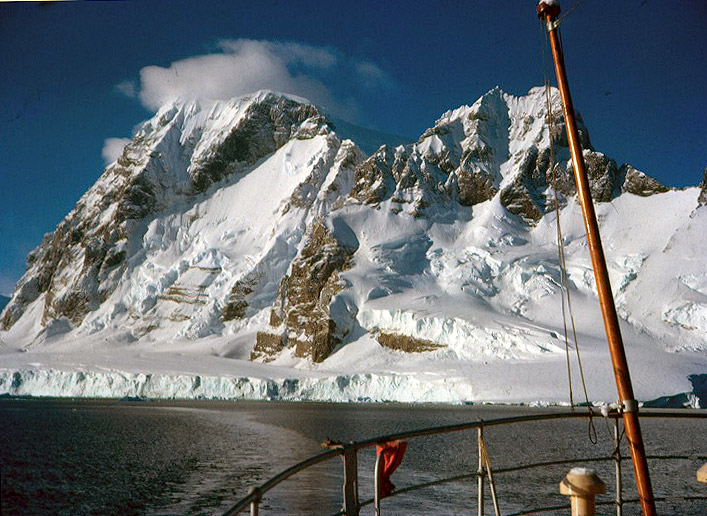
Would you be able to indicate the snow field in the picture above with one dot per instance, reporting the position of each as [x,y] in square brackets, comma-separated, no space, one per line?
[476,280]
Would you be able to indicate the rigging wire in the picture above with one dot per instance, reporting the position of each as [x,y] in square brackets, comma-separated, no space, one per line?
[569,11]
[551,130]
[564,282]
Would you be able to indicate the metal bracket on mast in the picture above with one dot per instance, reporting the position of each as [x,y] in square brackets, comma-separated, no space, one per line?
[551,8]
[629,406]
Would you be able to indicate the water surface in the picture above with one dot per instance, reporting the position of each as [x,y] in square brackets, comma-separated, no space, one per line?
[68,457]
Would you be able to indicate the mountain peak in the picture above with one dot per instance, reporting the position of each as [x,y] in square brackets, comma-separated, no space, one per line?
[256,97]
[253,214]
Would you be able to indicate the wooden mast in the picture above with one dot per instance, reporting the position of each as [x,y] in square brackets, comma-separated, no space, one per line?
[548,11]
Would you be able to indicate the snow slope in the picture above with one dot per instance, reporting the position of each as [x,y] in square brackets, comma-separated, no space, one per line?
[244,250]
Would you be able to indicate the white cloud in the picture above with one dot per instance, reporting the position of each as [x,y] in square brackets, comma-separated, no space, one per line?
[113,148]
[7,284]
[371,73]
[127,88]
[308,55]
[323,75]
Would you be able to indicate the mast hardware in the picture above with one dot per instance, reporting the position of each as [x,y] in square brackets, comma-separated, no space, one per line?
[549,10]
[629,406]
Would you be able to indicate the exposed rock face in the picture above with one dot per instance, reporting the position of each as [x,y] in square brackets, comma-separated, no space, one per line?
[302,308]
[636,182]
[374,179]
[603,176]
[525,195]
[238,298]
[73,266]
[475,186]
[266,126]
[406,343]
[80,264]
[267,346]
[702,199]
[500,145]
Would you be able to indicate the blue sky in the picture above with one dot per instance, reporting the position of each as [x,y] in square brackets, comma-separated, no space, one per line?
[76,77]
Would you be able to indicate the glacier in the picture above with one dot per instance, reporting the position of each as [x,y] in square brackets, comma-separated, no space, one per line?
[245,249]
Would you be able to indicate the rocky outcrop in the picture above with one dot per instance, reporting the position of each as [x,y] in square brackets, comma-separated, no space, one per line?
[636,182]
[267,346]
[79,265]
[530,194]
[73,265]
[237,302]
[525,195]
[498,146]
[374,180]
[301,318]
[406,343]
[702,199]
[475,186]
[266,126]
[603,176]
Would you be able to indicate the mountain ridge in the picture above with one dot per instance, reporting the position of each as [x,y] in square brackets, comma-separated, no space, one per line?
[252,220]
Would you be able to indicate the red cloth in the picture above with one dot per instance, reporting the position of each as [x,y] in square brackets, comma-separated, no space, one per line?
[391,455]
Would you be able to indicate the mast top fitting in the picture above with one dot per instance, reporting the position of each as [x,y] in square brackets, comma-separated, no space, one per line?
[548,7]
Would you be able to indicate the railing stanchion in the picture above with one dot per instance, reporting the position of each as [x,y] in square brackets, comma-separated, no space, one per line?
[480,471]
[377,484]
[255,504]
[350,459]
[617,468]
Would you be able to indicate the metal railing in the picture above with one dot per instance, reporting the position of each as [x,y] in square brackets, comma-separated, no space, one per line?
[349,454]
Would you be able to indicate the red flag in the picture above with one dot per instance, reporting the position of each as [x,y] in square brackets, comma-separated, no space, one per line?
[391,455]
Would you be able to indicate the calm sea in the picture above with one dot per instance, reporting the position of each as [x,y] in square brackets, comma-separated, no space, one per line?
[61,457]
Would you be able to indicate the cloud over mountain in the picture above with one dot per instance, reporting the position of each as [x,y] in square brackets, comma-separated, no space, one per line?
[324,75]
[112,148]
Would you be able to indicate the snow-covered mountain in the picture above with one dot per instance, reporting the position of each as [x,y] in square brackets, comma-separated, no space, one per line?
[249,238]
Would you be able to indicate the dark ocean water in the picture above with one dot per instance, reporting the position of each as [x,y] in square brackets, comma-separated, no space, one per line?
[61,457]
